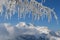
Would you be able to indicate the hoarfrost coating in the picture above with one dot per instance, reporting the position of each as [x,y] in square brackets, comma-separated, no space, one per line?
[25,7]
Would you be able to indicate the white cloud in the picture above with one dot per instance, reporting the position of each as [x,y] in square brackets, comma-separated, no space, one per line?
[7,31]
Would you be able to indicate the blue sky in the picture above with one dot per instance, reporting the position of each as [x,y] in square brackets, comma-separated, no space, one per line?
[52,25]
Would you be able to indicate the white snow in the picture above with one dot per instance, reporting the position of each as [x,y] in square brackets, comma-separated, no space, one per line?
[7,31]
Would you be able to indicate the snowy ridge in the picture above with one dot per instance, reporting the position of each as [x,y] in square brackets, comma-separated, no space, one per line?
[23,31]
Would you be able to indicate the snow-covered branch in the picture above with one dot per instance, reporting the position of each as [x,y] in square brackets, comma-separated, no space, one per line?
[25,6]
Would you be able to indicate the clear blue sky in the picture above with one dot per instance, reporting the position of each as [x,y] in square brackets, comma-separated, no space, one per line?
[52,25]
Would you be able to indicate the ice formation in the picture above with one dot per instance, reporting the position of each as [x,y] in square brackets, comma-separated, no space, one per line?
[25,7]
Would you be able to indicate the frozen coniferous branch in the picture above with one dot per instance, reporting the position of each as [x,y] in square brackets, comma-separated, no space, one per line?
[24,6]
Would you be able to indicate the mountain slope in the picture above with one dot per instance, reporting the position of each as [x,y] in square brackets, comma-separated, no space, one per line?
[23,31]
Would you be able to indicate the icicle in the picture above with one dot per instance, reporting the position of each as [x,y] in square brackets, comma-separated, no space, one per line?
[1,9]
[29,15]
[55,15]
[38,17]
[32,16]
[49,18]
[35,16]
[10,14]
[6,16]
[24,14]
[18,13]
[21,11]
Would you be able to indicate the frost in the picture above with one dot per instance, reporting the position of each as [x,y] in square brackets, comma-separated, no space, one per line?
[24,6]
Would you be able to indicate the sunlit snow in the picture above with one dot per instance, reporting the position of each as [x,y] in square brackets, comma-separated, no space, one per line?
[10,32]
